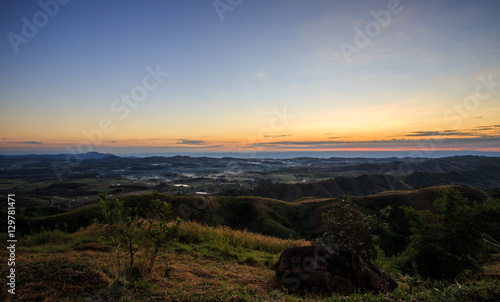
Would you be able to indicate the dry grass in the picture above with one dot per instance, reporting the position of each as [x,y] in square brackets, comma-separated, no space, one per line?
[195,232]
[492,267]
[192,277]
[77,269]
[55,278]
[74,268]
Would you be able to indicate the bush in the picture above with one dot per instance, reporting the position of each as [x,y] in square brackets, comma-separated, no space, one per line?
[142,227]
[45,237]
[347,227]
[448,242]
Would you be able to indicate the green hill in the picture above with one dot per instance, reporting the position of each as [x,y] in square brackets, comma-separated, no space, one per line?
[202,263]
[299,219]
[478,172]
[394,239]
[355,186]
[262,215]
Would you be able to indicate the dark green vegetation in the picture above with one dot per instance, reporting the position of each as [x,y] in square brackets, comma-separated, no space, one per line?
[449,241]
[68,194]
[480,173]
[299,219]
[225,246]
[346,227]
[200,262]
[262,215]
[142,226]
[73,180]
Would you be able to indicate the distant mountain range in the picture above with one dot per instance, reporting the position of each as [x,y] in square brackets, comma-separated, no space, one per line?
[61,156]
[281,155]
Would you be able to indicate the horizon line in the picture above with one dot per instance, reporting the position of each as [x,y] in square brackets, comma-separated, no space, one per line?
[417,153]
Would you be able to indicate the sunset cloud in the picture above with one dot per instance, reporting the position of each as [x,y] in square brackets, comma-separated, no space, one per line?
[440,133]
[190,142]
[30,143]
[395,144]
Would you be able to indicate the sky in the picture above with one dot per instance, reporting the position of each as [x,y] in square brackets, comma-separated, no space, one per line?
[249,76]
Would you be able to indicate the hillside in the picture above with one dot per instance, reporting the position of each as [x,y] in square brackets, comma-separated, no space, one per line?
[481,173]
[299,219]
[262,215]
[361,185]
[201,263]
[395,238]
[224,250]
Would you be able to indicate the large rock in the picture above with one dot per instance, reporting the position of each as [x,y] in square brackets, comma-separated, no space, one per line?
[321,268]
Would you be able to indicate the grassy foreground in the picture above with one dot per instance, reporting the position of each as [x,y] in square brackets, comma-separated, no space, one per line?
[203,264]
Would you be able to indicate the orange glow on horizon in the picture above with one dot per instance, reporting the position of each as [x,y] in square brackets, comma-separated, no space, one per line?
[379,149]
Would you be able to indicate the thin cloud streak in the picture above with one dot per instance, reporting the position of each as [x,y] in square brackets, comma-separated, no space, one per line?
[190,142]
[409,144]
[440,133]
[30,143]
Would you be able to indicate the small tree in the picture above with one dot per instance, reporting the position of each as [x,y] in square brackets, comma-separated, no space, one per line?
[137,228]
[347,227]
[446,243]
[125,223]
[158,215]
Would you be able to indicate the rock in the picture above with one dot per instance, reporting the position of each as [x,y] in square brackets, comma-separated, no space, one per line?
[321,268]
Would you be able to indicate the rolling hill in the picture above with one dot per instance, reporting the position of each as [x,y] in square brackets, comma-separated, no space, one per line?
[478,172]
[273,217]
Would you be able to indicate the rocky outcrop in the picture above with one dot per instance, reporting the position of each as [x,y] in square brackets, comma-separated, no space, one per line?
[321,268]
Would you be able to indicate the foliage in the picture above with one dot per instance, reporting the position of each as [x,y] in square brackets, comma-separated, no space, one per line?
[69,221]
[448,242]
[45,237]
[141,227]
[158,232]
[347,227]
[196,276]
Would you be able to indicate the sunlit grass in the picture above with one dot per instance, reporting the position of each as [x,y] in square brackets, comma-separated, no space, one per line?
[193,232]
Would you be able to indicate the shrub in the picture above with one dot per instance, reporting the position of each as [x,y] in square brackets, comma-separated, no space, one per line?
[448,242]
[45,237]
[142,227]
[347,227]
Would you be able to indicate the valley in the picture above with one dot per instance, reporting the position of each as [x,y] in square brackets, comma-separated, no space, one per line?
[54,180]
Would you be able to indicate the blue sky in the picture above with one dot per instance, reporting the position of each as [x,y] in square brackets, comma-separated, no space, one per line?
[232,76]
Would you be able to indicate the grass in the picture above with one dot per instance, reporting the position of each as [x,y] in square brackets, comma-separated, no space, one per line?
[45,237]
[70,220]
[238,239]
[205,263]
[225,244]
